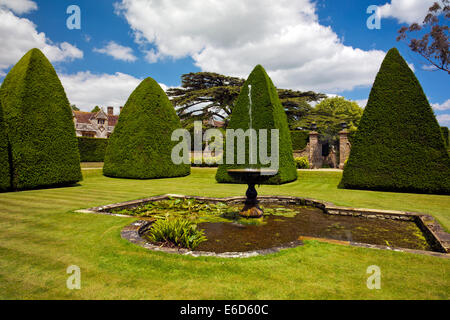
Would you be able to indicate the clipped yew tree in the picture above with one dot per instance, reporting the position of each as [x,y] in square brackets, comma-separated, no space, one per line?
[5,174]
[39,125]
[398,146]
[141,146]
[268,113]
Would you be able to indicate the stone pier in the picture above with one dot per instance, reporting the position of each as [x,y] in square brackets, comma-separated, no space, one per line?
[344,147]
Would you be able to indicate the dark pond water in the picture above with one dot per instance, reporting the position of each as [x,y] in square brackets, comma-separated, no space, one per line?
[311,222]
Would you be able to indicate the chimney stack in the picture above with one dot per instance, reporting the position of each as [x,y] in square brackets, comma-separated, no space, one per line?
[110,111]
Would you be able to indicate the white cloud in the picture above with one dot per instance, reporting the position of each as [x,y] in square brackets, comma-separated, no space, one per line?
[19,6]
[406,11]
[19,35]
[444,119]
[429,67]
[441,106]
[233,36]
[87,90]
[362,103]
[118,52]
[152,56]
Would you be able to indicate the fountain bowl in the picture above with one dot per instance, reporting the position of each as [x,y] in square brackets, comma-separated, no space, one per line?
[251,177]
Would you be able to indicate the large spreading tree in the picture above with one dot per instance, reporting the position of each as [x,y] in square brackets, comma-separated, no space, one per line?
[38,119]
[140,146]
[329,115]
[205,94]
[398,146]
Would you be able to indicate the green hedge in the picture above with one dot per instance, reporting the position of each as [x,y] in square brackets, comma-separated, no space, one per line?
[5,174]
[39,124]
[206,162]
[445,134]
[268,113]
[140,146]
[92,149]
[398,145]
[299,139]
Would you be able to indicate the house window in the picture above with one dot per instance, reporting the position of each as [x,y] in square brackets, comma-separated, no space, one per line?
[101,121]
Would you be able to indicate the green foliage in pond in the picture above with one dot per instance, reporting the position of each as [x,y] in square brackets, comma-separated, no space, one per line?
[141,145]
[39,126]
[176,232]
[399,145]
[189,208]
[201,211]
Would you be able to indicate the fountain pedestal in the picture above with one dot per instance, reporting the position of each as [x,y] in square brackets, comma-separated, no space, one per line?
[251,177]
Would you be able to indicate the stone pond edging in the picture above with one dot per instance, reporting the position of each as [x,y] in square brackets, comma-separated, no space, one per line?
[432,230]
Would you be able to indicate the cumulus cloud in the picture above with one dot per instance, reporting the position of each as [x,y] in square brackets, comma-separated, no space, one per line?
[19,6]
[362,103]
[441,106]
[87,90]
[444,119]
[406,11]
[118,52]
[233,36]
[19,35]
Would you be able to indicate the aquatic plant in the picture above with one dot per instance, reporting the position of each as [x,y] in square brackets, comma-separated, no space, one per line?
[178,232]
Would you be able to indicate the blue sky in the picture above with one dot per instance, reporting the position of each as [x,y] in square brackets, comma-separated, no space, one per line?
[303,44]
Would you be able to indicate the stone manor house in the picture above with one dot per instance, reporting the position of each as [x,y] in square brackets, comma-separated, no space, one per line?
[95,124]
[101,125]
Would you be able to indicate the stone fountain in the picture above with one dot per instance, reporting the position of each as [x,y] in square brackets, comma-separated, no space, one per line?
[251,177]
[258,111]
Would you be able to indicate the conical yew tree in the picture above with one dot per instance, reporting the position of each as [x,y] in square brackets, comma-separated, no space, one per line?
[141,145]
[398,145]
[39,125]
[266,113]
[5,174]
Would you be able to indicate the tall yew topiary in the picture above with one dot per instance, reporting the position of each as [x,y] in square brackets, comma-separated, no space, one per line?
[5,174]
[398,145]
[39,125]
[267,113]
[141,145]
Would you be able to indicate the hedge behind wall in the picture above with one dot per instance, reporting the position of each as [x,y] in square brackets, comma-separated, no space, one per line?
[299,139]
[92,149]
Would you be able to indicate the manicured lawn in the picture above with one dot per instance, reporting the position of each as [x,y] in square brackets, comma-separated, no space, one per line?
[41,237]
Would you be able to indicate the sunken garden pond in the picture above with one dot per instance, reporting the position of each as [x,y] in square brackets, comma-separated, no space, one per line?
[214,226]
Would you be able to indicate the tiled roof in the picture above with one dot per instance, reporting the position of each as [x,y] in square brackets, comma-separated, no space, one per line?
[84,117]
